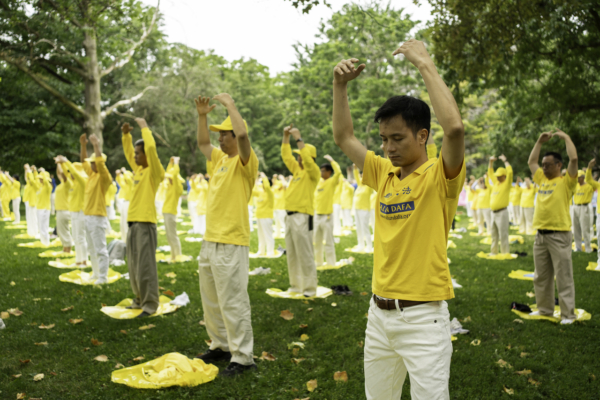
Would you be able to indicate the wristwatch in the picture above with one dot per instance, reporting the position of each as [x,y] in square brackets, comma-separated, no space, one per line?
[299,140]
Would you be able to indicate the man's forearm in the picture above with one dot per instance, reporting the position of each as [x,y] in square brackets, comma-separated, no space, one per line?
[572,153]
[535,154]
[343,127]
[83,153]
[286,139]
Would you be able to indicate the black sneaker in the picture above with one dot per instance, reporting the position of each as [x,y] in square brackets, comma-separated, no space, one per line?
[234,369]
[347,291]
[214,356]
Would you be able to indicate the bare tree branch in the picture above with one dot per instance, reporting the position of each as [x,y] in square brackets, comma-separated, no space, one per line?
[109,110]
[126,57]
[63,65]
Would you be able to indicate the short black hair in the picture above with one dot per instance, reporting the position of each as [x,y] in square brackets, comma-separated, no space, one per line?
[16,177]
[415,112]
[327,166]
[141,143]
[557,156]
[232,133]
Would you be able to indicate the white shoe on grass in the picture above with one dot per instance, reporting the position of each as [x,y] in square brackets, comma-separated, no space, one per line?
[535,314]
[566,321]
[101,281]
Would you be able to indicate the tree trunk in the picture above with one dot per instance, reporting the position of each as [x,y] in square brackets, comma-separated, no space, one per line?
[93,120]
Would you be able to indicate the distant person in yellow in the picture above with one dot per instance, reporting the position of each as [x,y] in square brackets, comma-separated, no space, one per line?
[125,180]
[527,207]
[13,188]
[110,202]
[515,202]
[174,192]
[362,207]
[159,200]
[78,181]
[265,201]
[552,245]
[191,201]
[596,185]
[473,189]
[30,202]
[279,186]
[347,200]
[408,326]
[470,195]
[61,204]
[148,173]
[42,184]
[582,209]
[299,205]
[5,195]
[200,213]
[331,176]
[224,258]
[501,185]
[484,213]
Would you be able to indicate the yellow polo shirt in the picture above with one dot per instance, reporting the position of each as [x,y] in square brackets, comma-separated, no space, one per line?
[325,191]
[470,194]
[194,189]
[553,200]
[362,195]
[528,196]
[202,196]
[300,194]
[43,191]
[583,194]
[31,195]
[61,196]
[15,189]
[161,194]
[475,202]
[374,200]
[174,192]
[347,195]
[411,229]
[483,198]
[78,184]
[337,194]
[145,180]
[500,191]
[94,197]
[228,194]
[589,179]
[278,189]
[109,197]
[515,195]
[265,200]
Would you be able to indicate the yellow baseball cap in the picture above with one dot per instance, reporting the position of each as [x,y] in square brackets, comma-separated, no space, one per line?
[312,149]
[500,171]
[93,158]
[580,173]
[225,126]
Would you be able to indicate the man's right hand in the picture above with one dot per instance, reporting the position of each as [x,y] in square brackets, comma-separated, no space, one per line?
[83,139]
[493,158]
[202,105]
[287,131]
[544,137]
[592,163]
[328,158]
[345,71]
[126,128]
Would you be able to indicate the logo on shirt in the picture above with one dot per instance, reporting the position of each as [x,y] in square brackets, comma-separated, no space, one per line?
[387,196]
[222,170]
[406,190]
[397,208]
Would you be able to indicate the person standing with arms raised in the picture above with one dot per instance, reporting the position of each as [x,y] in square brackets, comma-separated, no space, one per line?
[551,218]
[331,176]
[174,191]
[225,257]
[148,173]
[499,199]
[408,328]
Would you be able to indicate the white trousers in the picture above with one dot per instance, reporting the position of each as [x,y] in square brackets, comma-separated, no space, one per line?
[78,227]
[95,232]
[516,214]
[192,209]
[223,275]
[124,225]
[110,211]
[31,217]
[469,209]
[199,222]
[484,216]
[266,243]
[179,213]
[500,232]
[158,205]
[347,218]
[527,220]
[337,222]
[414,340]
[63,222]
[43,218]
[279,222]
[372,218]
[16,206]
[365,242]
[300,254]
[324,231]
[171,231]
[250,210]
[581,227]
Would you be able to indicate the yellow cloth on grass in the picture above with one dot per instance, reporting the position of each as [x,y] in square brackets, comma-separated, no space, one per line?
[276,254]
[580,314]
[593,266]
[488,256]
[511,238]
[594,246]
[55,254]
[68,263]
[338,265]
[521,275]
[354,250]
[85,278]
[172,369]
[182,258]
[121,312]
[322,292]
[38,244]
[23,236]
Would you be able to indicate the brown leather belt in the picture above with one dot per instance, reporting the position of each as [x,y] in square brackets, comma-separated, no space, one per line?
[497,211]
[391,304]
[582,204]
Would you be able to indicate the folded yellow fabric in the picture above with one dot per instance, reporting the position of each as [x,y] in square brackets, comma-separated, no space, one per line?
[68,263]
[477,234]
[121,312]
[580,314]
[488,256]
[338,265]
[38,244]
[450,245]
[55,254]
[277,254]
[172,369]
[166,258]
[179,233]
[592,266]
[522,275]
[511,239]
[85,278]
[322,292]
[15,226]
[24,236]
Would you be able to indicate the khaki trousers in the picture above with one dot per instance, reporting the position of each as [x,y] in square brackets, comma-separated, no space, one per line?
[484,216]
[324,231]
[581,227]
[300,254]
[141,260]
[552,257]
[171,231]
[527,220]
[63,220]
[266,243]
[500,232]
[78,227]
[223,274]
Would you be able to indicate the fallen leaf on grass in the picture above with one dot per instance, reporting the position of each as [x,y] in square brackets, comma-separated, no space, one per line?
[273,280]
[25,361]
[38,377]
[42,326]
[140,358]
[173,281]
[295,344]
[508,347]
[311,385]
[208,342]
[363,293]
[75,320]
[361,344]
[53,373]
[119,365]
[20,396]
[503,364]
[298,360]
[146,327]
[530,294]
[309,309]
[67,309]
[340,376]
[123,331]
[101,358]
[523,355]
[17,376]
[509,391]
[15,311]
[287,315]
[12,284]
[468,319]
[333,304]
[524,372]
[533,382]
[476,342]
[96,342]
[202,323]
[4,315]
[86,348]
[302,326]
[171,275]
[267,356]
[168,293]
[304,337]
[519,321]
[42,344]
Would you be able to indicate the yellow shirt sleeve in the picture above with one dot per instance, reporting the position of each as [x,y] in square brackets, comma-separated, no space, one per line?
[589,179]
[127,141]
[288,158]
[156,169]
[375,170]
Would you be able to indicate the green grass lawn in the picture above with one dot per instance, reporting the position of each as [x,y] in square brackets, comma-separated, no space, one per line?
[564,359]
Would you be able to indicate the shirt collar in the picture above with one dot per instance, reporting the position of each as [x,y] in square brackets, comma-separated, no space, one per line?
[419,171]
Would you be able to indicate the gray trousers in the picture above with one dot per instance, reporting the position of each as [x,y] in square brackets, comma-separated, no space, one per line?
[141,260]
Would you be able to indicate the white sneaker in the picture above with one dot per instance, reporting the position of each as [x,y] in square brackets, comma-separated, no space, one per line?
[369,250]
[101,281]
[534,313]
[566,321]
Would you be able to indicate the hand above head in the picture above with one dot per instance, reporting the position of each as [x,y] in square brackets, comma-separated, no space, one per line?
[560,134]
[141,123]
[493,158]
[544,137]
[519,180]
[345,71]
[118,172]
[414,51]
[94,140]
[83,139]
[176,160]
[126,128]
[224,98]
[287,131]
[502,158]
[527,180]
[328,158]
[262,174]
[592,163]
[202,105]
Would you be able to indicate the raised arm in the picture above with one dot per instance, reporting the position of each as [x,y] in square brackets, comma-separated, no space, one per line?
[76,174]
[239,127]
[491,174]
[203,109]
[128,149]
[588,175]
[509,170]
[286,151]
[83,148]
[156,169]
[444,106]
[571,152]
[100,163]
[343,128]
[337,171]
[534,157]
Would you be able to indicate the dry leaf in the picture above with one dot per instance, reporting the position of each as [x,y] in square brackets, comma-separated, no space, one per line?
[96,342]
[519,321]
[4,315]
[12,284]
[102,305]
[509,347]
[140,358]
[86,349]
[311,385]
[146,327]
[524,372]
[504,364]
[38,377]
[42,326]
[15,311]
[101,358]
[208,342]
[42,344]
[309,309]
[267,356]
[17,376]
[302,326]
[363,293]
[333,304]
[202,323]
[361,344]
[161,288]
[171,275]
[304,337]
[24,361]
[295,351]
[20,396]
[273,280]
[468,319]
[533,382]
[523,355]
[53,373]
[340,376]
[75,320]
[509,391]
[287,315]
[530,294]
[67,309]
[168,293]
[298,360]
[476,342]
[123,331]
[295,344]
[173,281]
[119,365]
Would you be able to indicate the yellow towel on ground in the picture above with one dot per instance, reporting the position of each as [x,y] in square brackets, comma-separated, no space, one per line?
[450,245]
[322,292]
[477,234]
[179,233]
[172,369]
[488,256]
[15,226]
[164,258]
[121,312]
[338,265]
[511,239]
[522,275]
[114,235]
[25,236]
[84,278]
[67,264]
[580,314]
[593,266]
[38,244]
[55,254]
[277,254]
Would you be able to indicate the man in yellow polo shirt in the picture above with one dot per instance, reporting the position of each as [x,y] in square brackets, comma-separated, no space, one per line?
[61,204]
[552,245]
[326,188]
[148,173]
[501,185]
[362,207]
[589,179]
[265,201]
[484,213]
[299,205]
[42,185]
[527,207]
[581,213]
[224,258]
[408,326]
[78,180]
